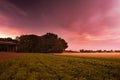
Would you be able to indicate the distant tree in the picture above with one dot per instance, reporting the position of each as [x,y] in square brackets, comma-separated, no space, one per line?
[82,50]
[52,43]
[99,51]
[27,43]
[117,51]
[48,43]
[6,39]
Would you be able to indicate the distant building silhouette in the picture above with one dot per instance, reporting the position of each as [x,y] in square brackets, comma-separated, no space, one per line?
[8,46]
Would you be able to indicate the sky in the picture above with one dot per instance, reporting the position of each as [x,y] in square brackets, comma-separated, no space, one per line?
[84,24]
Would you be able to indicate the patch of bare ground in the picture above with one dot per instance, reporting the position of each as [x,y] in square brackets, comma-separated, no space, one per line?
[5,56]
[96,55]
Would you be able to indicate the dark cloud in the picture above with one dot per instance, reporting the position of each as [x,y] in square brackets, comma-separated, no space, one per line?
[62,13]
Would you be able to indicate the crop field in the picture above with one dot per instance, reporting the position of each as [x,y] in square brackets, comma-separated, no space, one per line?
[94,55]
[53,67]
[5,56]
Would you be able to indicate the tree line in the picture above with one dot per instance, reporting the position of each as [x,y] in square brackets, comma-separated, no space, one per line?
[98,51]
[48,43]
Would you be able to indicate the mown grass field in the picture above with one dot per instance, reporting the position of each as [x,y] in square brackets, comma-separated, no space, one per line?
[54,67]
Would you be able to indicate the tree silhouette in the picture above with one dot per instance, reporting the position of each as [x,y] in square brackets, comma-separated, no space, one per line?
[48,43]
[27,43]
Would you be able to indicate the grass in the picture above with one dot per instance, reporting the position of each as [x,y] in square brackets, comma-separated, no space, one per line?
[52,67]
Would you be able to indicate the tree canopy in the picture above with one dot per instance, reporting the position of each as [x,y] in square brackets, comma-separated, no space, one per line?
[48,43]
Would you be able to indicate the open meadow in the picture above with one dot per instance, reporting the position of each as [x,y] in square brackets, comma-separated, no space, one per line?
[35,66]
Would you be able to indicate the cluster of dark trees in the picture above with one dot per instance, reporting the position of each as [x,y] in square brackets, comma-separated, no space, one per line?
[99,51]
[8,39]
[48,43]
[71,51]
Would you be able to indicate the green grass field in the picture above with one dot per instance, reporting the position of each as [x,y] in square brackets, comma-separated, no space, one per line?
[52,67]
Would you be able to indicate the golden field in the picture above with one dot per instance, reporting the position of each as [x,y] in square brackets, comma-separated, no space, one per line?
[95,55]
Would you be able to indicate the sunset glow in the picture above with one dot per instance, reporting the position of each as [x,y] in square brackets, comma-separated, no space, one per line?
[84,24]
[8,32]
